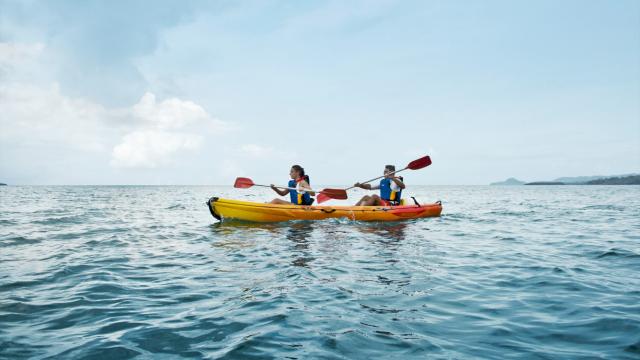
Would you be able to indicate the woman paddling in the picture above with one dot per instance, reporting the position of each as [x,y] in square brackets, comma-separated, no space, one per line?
[390,186]
[299,181]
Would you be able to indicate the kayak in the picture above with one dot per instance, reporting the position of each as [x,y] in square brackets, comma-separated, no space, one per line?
[224,209]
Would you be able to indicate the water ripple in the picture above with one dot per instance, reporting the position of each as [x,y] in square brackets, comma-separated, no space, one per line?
[125,272]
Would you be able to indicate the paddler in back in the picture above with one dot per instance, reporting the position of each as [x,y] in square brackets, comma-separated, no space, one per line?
[302,193]
[390,186]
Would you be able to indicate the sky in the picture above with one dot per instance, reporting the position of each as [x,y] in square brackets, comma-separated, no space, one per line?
[200,92]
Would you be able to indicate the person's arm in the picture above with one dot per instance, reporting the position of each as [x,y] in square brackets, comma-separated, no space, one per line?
[304,185]
[362,186]
[367,186]
[398,182]
[281,192]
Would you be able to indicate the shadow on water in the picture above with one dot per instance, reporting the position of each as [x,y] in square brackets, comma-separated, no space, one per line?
[242,234]
[298,234]
[298,231]
[390,234]
[232,226]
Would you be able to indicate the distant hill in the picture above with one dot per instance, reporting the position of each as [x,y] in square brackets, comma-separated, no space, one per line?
[615,180]
[618,180]
[509,181]
[3,184]
[586,179]
[546,183]
[628,179]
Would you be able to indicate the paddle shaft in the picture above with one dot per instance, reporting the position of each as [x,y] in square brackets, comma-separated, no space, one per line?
[287,188]
[379,177]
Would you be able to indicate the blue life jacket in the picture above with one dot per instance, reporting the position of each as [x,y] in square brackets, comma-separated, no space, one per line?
[297,198]
[387,194]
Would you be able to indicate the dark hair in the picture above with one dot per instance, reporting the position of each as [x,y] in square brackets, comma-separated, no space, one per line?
[390,167]
[300,171]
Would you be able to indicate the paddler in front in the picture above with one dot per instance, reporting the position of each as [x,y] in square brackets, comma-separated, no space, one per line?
[390,186]
[302,193]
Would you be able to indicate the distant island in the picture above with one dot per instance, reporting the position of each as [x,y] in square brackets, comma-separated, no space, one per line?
[509,181]
[631,179]
[618,180]
[584,179]
[546,183]
[3,184]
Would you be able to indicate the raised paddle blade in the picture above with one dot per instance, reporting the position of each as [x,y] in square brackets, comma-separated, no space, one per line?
[419,163]
[326,194]
[322,198]
[243,183]
[338,194]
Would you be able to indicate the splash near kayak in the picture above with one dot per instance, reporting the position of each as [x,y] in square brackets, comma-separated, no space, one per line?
[226,209]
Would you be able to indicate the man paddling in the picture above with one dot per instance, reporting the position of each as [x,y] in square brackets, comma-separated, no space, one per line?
[390,186]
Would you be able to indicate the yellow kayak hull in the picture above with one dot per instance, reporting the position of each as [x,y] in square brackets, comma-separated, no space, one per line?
[225,209]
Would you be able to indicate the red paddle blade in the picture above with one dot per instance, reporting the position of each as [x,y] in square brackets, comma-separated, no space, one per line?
[243,183]
[322,198]
[338,194]
[419,163]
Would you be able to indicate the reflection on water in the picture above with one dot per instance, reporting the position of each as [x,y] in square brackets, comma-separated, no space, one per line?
[299,233]
[231,226]
[240,234]
[389,233]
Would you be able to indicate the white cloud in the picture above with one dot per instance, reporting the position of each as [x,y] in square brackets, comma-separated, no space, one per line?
[33,114]
[34,111]
[26,63]
[162,130]
[169,114]
[151,148]
[15,54]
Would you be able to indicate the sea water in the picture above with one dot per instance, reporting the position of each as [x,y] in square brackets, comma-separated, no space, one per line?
[506,272]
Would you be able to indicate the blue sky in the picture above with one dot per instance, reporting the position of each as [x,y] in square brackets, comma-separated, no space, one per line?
[138,92]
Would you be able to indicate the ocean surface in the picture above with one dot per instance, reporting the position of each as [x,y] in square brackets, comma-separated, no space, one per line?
[99,272]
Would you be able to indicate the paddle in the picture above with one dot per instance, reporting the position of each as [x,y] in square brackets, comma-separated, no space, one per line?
[339,194]
[417,164]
